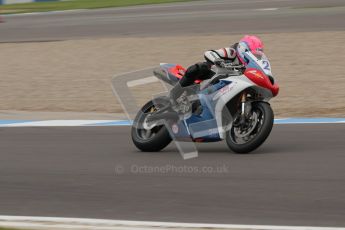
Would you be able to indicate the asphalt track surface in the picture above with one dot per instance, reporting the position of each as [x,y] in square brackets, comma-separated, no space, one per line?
[296,178]
[192,18]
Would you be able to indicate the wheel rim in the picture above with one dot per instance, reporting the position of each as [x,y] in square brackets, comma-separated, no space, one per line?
[243,134]
[146,134]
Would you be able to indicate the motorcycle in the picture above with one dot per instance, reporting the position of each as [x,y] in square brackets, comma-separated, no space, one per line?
[232,105]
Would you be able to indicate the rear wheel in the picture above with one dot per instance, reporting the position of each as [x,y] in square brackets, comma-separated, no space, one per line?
[149,139]
[247,136]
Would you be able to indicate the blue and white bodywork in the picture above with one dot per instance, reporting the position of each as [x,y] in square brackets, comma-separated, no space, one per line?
[209,125]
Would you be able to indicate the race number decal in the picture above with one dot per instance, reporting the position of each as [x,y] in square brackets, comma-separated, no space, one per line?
[266,65]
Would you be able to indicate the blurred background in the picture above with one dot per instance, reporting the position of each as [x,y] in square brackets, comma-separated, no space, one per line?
[63,61]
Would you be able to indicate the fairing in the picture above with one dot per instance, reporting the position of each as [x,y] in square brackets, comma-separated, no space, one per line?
[209,124]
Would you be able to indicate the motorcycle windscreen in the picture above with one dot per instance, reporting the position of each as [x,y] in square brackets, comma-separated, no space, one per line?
[259,61]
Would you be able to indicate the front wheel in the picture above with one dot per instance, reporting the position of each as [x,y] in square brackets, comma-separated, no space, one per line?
[249,135]
[149,139]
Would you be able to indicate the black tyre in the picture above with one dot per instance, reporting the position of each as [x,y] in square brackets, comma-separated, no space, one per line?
[149,140]
[248,137]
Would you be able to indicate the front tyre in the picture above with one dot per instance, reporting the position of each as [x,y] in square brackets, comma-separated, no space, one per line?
[153,139]
[248,136]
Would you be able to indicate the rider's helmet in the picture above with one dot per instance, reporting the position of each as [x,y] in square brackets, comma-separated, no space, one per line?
[249,43]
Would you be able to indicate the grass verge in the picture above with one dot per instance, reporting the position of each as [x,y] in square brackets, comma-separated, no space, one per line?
[76,4]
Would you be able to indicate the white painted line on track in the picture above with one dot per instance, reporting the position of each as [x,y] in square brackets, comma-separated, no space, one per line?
[48,12]
[100,224]
[54,123]
[266,9]
[76,123]
[227,4]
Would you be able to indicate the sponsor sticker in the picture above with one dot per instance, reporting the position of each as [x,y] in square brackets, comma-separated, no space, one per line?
[256,74]
[224,90]
[174,128]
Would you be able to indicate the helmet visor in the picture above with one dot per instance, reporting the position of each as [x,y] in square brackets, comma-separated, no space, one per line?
[260,55]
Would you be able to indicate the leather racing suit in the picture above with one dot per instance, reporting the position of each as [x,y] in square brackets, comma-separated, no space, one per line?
[202,70]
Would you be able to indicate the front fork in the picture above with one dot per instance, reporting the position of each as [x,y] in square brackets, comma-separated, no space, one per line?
[246,108]
[243,103]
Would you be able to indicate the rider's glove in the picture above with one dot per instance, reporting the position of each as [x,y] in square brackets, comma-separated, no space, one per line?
[219,62]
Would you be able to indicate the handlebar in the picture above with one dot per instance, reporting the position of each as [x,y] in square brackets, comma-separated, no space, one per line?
[227,65]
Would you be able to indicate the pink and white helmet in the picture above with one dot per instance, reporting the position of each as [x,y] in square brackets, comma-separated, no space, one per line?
[249,43]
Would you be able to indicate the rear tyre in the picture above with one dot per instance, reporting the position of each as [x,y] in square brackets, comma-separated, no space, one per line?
[149,140]
[248,137]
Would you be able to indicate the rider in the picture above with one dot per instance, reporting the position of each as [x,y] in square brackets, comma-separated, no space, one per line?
[232,54]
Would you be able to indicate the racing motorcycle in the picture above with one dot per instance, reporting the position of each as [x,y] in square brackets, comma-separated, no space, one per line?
[232,105]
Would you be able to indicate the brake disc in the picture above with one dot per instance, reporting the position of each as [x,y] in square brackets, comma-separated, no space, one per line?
[239,132]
